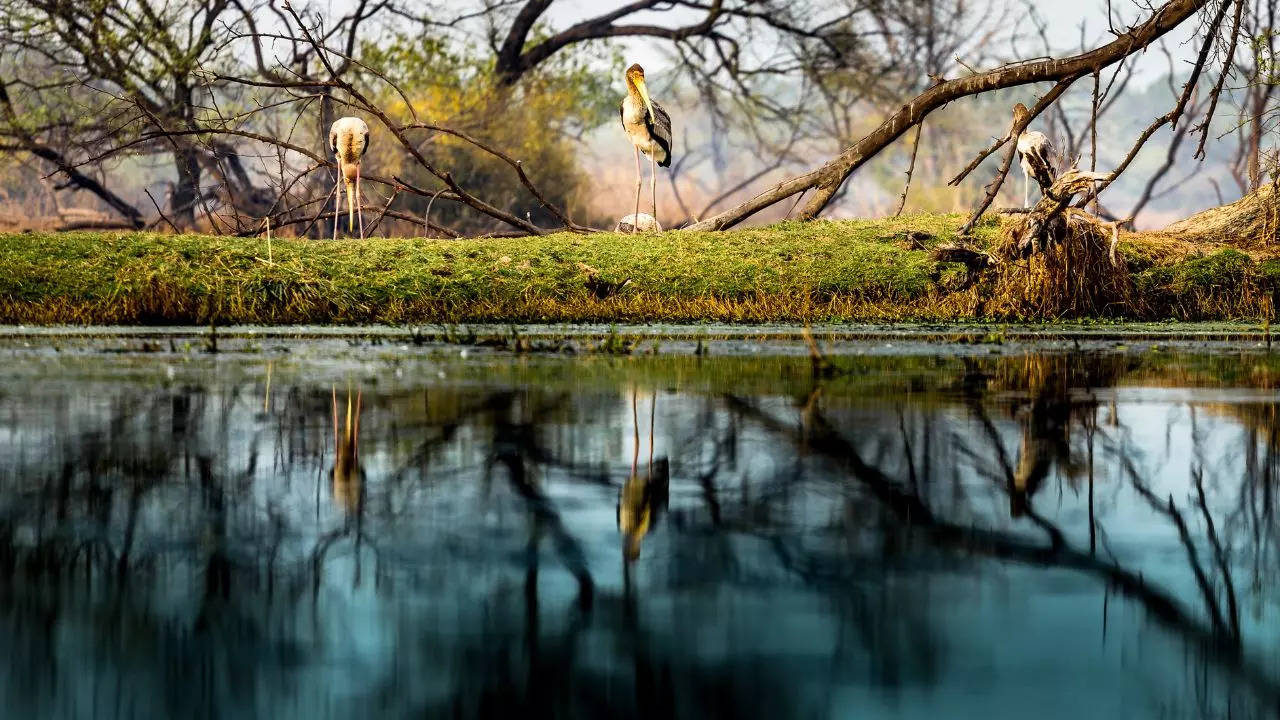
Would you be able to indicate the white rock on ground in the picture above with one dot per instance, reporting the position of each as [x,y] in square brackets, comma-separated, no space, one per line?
[644,222]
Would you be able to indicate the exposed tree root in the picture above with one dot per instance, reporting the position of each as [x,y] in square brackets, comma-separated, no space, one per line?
[1058,261]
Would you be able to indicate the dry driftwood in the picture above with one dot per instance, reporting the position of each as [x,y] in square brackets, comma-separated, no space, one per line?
[970,256]
[1048,222]
[1057,260]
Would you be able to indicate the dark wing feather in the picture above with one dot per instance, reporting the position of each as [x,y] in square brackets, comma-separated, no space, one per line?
[660,128]
[1041,169]
[366,145]
[1040,158]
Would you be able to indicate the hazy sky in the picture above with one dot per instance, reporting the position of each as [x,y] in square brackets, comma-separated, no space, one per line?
[1063,19]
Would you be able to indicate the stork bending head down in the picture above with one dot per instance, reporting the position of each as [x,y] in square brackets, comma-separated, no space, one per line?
[1035,154]
[349,141]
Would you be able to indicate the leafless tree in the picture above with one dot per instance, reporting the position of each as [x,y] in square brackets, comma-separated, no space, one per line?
[1257,78]
[826,180]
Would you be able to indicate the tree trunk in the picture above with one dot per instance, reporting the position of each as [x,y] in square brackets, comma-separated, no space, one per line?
[186,190]
[509,64]
[1255,142]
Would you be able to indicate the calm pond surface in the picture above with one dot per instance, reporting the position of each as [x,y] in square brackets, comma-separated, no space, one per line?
[341,528]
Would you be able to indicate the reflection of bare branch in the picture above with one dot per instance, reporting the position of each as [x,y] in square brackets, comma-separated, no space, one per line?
[1219,553]
[1170,510]
[514,444]
[909,508]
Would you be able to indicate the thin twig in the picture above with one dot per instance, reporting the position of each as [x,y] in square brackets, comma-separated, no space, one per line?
[911,167]
[162,215]
[1203,127]
[382,214]
[1093,137]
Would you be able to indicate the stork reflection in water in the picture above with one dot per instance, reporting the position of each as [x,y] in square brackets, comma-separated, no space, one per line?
[347,475]
[643,496]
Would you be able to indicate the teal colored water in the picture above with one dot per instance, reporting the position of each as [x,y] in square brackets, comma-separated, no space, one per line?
[336,528]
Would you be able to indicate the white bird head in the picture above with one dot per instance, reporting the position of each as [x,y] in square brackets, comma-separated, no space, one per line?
[635,83]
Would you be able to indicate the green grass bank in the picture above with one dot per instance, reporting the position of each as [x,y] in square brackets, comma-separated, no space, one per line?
[824,271]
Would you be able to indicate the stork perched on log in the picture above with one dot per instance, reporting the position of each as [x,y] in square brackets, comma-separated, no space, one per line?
[349,141]
[648,126]
[1035,155]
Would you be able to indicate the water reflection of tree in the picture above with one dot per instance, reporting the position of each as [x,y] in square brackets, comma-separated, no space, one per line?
[1050,401]
[250,533]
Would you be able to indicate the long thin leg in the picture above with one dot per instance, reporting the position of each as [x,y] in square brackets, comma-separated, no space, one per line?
[337,205]
[635,218]
[653,182]
[653,409]
[359,203]
[635,424]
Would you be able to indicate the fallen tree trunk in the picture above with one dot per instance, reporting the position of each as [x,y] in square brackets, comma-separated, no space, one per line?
[826,180]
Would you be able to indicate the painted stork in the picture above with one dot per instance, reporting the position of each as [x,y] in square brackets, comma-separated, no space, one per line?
[1035,155]
[648,127]
[349,141]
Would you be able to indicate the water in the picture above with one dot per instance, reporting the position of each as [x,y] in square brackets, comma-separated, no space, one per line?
[333,528]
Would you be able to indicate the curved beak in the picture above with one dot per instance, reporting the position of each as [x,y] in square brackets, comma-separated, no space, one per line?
[644,95]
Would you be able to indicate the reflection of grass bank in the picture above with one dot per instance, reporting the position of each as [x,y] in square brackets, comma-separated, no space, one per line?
[821,271]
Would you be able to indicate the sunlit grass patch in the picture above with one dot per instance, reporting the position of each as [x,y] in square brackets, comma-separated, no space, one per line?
[822,271]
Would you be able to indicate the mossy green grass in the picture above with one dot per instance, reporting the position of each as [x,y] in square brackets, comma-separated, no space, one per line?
[826,271]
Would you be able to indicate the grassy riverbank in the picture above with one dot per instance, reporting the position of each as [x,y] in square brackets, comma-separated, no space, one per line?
[831,271]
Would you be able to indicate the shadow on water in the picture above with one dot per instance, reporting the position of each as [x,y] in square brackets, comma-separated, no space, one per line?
[1060,534]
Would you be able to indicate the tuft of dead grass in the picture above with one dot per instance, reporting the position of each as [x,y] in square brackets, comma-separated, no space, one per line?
[1073,275]
[1249,223]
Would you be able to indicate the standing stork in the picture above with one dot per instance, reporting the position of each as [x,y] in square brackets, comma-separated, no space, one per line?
[648,127]
[349,141]
[1035,155]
